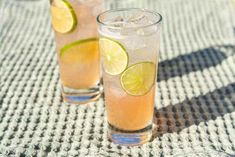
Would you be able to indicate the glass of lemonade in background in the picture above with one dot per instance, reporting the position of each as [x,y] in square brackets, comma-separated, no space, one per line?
[75,27]
[129,44]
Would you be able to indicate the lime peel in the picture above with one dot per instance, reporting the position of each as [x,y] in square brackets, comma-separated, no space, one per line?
[81,51]
[64,19]
[139,78]
[67,47]
[115,57]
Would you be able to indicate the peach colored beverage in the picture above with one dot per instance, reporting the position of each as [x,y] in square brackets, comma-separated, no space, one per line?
[129,112]
[74,24]
[129,44]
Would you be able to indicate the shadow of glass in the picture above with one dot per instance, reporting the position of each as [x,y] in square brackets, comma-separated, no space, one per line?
[176,117]
[197,60]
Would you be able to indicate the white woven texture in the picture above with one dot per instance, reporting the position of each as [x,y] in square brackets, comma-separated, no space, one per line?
[195,101]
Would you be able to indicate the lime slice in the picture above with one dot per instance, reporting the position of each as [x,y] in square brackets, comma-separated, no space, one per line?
[115,58]
[63,16]
[80,51]
[139,78]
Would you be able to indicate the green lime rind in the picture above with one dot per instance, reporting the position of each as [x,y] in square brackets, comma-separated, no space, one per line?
[67,47]
[129,90]
[114,62]
[73,15]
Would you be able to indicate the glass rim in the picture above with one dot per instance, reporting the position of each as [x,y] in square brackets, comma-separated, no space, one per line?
[99,21]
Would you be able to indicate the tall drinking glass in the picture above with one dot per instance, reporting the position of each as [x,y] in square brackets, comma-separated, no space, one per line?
[75,27]
[129,44]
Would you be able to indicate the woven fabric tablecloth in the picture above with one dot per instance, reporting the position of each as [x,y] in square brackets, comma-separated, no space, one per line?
[195,101]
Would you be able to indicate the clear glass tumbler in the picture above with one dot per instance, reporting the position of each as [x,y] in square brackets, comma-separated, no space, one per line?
[129,45]
[76,36]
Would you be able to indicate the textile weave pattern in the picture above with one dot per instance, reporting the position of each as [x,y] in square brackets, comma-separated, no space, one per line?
[195,98]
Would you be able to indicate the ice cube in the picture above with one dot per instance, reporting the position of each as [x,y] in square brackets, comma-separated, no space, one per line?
[140,32]
[139,19]
[115,24]
[134,42]
[134,23]
[128,28]
[118,19]
[146,31]
[144,20]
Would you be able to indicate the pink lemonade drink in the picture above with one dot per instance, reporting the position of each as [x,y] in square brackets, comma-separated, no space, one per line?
[129,44]
[74,24]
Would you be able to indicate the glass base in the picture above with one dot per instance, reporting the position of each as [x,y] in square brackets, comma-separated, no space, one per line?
[81,96]
[129,138]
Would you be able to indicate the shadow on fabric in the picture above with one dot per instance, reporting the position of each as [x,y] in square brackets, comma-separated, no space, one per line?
[214,104]
[210,106]
[197,60]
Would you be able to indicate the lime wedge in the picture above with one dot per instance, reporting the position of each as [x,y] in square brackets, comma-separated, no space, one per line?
[63,16]
[80,51]
[139,78]
[115,58]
